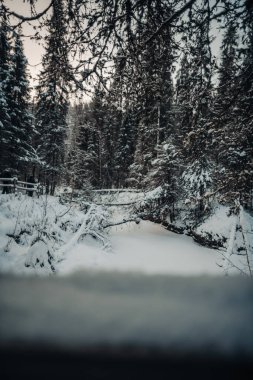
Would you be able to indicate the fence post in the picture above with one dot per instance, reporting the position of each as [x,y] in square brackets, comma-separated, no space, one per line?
[15,180]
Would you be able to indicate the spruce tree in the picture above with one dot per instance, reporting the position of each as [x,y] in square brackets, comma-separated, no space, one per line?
[121,120]
[99,144]
[155,91]
[240,147]
[165,172]
[183,101]
[21,150]
[225,110]
[125,146]
[195,113]
[5,76]
[52,102]
[233,115]
[245,118]
[83,156]
[90,148]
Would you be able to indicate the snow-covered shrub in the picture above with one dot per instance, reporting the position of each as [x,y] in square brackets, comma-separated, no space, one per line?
[197,179]
[40,255]
[233,232]
[150,203]
[46,228]
[196,183]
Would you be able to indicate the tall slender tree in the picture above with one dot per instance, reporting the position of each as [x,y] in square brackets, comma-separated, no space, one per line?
[20,147]
[52,102]
[240,147]
[155,90]
[5,76]
[197,77]
[224,109]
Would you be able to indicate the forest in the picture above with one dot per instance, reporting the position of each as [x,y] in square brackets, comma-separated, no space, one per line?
[126,189]
[153,96]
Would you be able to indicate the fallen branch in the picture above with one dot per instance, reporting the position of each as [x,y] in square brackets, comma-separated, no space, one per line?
[233,264]
[203,240]
[136,220]
[116,204]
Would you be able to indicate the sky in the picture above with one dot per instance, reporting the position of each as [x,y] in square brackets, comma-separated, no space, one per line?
[33,50]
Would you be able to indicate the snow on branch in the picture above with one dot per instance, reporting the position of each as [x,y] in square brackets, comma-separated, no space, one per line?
[92,224]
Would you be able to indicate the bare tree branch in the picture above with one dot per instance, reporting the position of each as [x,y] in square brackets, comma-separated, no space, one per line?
[170,20]
[28,18]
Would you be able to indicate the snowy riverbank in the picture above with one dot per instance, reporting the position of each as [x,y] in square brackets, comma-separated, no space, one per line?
[37,235]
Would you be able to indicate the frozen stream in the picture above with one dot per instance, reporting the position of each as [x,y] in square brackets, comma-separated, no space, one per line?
[147,248]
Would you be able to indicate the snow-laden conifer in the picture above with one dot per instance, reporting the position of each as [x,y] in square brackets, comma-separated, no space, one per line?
[52,99]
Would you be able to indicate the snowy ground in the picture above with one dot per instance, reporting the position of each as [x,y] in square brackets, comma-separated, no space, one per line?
[148,248]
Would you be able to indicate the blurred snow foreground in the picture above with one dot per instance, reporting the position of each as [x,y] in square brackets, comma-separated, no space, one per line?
[93,325]
[101,318]
[43,235]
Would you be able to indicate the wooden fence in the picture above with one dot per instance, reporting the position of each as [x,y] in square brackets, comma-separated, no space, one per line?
[13,186]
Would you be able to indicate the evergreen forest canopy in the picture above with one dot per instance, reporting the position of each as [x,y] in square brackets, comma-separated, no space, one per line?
[164,112]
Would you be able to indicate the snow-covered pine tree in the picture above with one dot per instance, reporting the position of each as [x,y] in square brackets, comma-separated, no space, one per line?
[233,130]
[92,140]
[244,121]
[154,90]
[121,119]
[125,145]
[83,155]
[20,148]
[100,141]
[196,143]
[165,173]
[5,76]
[73,155]
[233,121]
[52,99]
[224,114]
[184,109]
